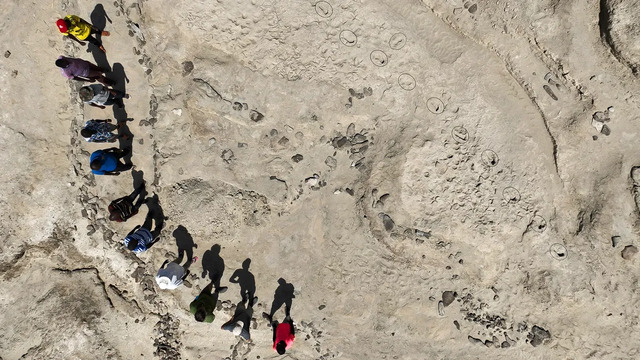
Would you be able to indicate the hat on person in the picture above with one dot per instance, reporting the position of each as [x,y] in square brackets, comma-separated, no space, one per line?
[163,282]
[62,25]
[238,329]
[86,93]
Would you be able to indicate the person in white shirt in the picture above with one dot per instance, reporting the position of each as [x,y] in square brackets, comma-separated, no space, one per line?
[173,275]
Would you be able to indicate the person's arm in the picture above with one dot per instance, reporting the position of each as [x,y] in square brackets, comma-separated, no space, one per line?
[184,277]
[292,329]
[80,78]
[98,106]
[274,326]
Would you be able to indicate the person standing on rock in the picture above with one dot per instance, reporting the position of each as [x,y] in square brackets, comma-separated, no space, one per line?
[283,333]
[101,131]
[120,210]
[203,305]
[100,96]
[107,162]
[241,320]
[79,30]
[81,70]
[174,274]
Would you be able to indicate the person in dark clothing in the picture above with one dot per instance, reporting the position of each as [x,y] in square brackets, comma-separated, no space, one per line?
[203,305]
[241,320]
[120,210]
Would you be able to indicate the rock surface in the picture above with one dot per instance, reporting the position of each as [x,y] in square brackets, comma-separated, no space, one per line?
[374,155]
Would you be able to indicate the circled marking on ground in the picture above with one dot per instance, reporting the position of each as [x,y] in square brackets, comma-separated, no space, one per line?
[538,223]
[489,158]
[324,9]
[398,41]
[511,195]
[435,105]
[407,82]
[558,251]
[379,58]
[460,134]
[348,38]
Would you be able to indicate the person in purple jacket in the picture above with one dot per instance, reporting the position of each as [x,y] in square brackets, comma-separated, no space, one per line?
[81,70]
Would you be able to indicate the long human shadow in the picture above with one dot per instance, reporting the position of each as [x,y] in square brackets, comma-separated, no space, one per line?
[138,179]
[119,76]
[185,243]
[245,278]
[99,19]
[156,214]
[282,296]
[213,265]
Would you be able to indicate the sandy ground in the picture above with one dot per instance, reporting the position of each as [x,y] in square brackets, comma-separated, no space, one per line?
[427,175]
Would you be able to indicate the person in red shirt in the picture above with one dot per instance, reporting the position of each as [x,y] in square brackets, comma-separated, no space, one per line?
[283,333]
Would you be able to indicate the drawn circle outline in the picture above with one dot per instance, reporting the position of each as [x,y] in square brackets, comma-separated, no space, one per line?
[538,223]
[511,195]
[321,12]
[400,39]
[558,251]
[459,130]
[379,58]
[411,80]
[489,158]
[435,105]
[343,38]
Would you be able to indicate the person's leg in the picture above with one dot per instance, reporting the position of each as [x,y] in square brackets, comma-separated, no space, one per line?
[95,69]
[94,41]
[95,30]
[287,307]
[123,167]
[148,221]
[96,73]
[136,192]
[252,300]
[123,152]
[117,98]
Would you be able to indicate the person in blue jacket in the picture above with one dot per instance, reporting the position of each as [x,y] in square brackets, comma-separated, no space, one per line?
[107,162]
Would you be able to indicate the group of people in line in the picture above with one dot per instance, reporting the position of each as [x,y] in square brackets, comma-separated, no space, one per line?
[108,162]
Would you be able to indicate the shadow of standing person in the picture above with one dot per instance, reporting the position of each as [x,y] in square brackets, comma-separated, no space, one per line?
[99,19]
[245,278]
[213,264]
[185,243]
[138,178]
[119,76]
[282,296]
[156,215]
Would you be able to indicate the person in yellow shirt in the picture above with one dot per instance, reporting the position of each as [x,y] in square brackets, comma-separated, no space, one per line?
[79,30]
